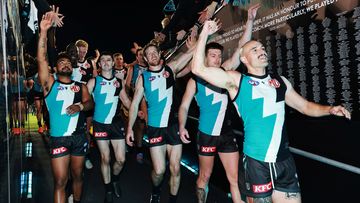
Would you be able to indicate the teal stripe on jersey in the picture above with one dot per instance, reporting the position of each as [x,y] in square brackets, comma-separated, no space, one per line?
[158,90]
[263,118]
[212,104]
[106,98]
[58,99]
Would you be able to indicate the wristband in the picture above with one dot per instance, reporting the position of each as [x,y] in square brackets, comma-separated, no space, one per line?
[81,106]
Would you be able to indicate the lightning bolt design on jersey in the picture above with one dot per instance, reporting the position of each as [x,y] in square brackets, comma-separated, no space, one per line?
[218,99]
[164,96]
[271,108]
[106,100]
[67,100]
[58,100]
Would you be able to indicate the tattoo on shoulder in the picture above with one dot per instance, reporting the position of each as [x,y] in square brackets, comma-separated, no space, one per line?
[263,200]
[292,195]
[231,85]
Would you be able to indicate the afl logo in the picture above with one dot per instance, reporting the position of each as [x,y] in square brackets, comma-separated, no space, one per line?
[102,83]
[116,84]
[152,78]
[253,82]
[166,74]
[274,83]
[75,88]
[60,88]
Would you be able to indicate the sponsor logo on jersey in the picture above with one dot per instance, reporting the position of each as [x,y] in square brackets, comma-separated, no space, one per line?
[152,78]
[60,88]
[75,88]
[101,134]
[262,188]
[166,74]
[274,83]
[116,84]
[155,140]
[59,150]
[208,149]
[254,82]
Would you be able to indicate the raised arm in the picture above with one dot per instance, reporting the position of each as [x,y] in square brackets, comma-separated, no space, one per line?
[213,75]
[184,108]
[45,78]
[234,61]
[180,62]
[294,100]
[134,107]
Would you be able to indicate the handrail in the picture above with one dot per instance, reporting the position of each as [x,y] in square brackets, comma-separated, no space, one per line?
[313,156]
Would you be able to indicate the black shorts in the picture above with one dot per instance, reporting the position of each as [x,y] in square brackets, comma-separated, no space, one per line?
[38,95]
[76,145]
[208,145]
[160,136]
[21,98]
[89,113]
[257,178]
[112,131]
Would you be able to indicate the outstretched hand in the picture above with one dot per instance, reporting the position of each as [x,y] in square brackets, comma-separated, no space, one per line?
[211,26]
[340,111]
[252,11]
[56,16]
[46,22]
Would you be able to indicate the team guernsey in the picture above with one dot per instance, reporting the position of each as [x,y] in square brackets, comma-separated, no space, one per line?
[212,102]
[106,98]
[137,70]
[158,90]
[61,96]
[83,72]
[261,104]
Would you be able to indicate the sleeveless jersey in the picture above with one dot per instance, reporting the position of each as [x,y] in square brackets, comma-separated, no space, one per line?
[37,86]
[106,98]
[83,72]
[212,102]
[158,91]
[260,102]
[137,70]
[61,96]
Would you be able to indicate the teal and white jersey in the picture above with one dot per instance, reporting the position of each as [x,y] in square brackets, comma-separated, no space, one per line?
[61,96]
[106,97]
[212,102]
[260,102]
[158,90]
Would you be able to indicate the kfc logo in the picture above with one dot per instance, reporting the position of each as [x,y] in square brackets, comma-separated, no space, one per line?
[59,150]
[208,149]
[100,134]
[274,83]
[262,188]
[155,140]
[75,88]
